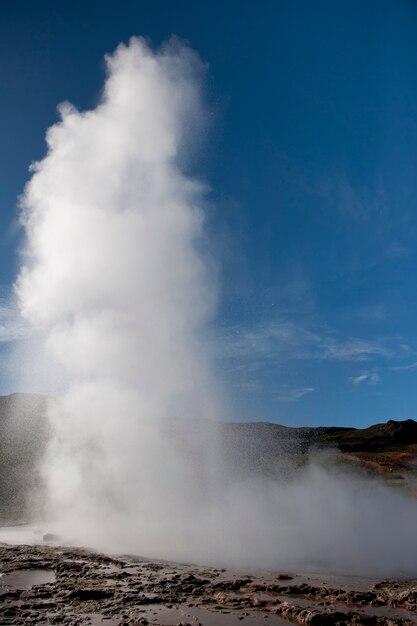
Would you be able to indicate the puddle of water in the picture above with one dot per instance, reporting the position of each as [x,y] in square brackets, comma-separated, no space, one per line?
[27,578]
[366,609]
[161,615]
[94,619]
[380,611]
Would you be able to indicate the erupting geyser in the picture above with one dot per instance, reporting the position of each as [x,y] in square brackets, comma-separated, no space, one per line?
[116,288]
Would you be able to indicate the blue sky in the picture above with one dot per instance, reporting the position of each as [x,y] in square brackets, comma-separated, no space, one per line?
[311,156]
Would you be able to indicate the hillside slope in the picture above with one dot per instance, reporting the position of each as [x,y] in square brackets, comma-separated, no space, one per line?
[23,436]
[249,448]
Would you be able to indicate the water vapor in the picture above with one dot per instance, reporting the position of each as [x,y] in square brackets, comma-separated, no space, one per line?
[114,286]
[118,291]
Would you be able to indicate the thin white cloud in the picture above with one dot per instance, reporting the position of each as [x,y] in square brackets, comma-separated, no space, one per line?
[403,368]
[352,349]
[292,395]
[269,339]
[282,340]
[370,378]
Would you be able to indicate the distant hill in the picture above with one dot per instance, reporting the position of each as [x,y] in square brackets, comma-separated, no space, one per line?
[250,448]
[387,449]
[377,437]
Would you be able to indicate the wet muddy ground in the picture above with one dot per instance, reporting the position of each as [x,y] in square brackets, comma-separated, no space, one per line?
[55,585]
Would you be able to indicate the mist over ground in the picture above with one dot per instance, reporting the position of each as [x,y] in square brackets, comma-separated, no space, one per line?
[118,289]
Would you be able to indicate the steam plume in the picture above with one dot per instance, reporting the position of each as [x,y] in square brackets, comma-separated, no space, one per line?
[117,291]
[113,283]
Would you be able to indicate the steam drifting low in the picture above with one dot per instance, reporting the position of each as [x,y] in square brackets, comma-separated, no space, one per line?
[116,287]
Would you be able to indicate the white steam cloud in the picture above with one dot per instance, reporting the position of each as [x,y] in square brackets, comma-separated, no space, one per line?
[117,290]
[114,286]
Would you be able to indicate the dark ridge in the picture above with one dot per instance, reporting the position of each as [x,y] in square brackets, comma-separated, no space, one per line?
[386,435]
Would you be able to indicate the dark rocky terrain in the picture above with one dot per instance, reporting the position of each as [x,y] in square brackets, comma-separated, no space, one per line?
[48,584]
[60,585]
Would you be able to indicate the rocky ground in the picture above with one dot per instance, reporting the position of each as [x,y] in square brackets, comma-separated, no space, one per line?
[55,585]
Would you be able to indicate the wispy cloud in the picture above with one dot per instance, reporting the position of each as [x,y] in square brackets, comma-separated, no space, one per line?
[352,349]
[370,378]
[403,368]
[282,340]
[271,339]
[285,394]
